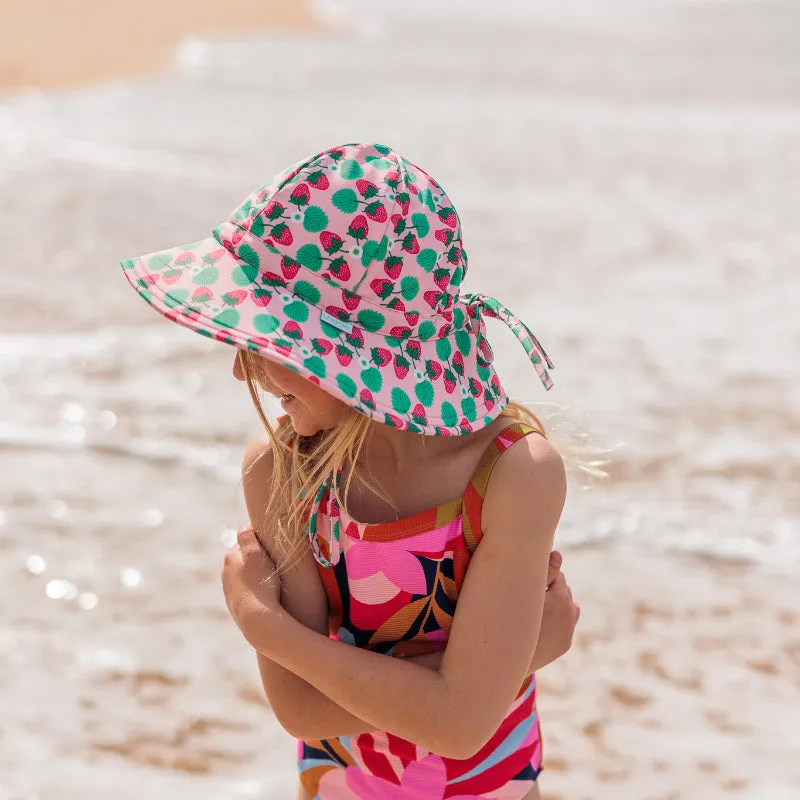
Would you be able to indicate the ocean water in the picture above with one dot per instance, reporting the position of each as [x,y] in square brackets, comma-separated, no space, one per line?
[629,180]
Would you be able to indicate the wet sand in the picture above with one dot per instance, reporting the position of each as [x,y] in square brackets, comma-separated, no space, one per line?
[55,44]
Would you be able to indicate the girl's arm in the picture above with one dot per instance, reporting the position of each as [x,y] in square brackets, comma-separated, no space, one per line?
[455,710]
[301,709]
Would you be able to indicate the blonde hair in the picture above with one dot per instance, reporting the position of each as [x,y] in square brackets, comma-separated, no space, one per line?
[301,464]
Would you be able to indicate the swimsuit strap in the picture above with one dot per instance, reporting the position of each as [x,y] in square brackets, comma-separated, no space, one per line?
[476,490]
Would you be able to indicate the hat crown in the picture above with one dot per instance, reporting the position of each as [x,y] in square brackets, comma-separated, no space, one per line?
[374,236]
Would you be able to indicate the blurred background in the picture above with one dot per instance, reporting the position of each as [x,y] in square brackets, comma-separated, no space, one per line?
[648,159]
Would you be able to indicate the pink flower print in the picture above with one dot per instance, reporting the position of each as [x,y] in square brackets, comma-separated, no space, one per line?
[422,780]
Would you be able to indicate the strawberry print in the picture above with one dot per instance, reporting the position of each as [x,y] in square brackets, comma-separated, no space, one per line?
[343,355]
[381,287]
[322,346]
[348,267]
[274,210]
[331,242]
[376,211]
[393,266]
[300,195]
[381,356]
[319,180]
[289,267]
[359,229]
[401,366]
[260,297]
[282,235]
[340,269]
[366,188]
[351,300]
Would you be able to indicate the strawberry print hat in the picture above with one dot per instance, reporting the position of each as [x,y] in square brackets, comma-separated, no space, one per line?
[346,268]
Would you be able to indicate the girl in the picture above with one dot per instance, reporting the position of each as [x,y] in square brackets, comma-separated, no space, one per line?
[338,283]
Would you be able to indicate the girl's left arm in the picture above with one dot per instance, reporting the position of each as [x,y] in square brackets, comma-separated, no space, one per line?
[454,710]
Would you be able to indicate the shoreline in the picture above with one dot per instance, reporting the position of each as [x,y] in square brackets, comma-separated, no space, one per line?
[53,46]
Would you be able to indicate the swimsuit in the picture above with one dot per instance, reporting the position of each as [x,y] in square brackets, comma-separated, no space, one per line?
[394,590]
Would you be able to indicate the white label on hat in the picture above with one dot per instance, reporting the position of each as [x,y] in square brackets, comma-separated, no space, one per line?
[347,327]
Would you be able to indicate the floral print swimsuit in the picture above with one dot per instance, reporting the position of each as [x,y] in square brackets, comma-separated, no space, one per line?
[394,590]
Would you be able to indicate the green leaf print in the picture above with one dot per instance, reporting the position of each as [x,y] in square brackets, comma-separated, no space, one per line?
[483,373]
[449,416]
[468,408]
[175,297]
[457,276]
[426,330]
[409,287]
[315,365]
[346,200]
[298,311]
[374,251]
[128,263]
[420,222]
[244,275]
[229,318]
[246,253]
[426,198]
[266,323]
[463,342]
[160,261]
[309,255]
[350,170]
[257,227]
[378,163]
[307,292]
[443,349]
[382,149]
[373,379]
[206,277]
[315,219]
[371,320]
[427,259]
[401,402]
[346,384]
[424,393]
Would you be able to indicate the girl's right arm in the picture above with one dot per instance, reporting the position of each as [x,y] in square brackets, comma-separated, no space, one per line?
[302,710]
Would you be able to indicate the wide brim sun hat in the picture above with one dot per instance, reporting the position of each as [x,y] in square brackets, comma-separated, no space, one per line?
[346,268]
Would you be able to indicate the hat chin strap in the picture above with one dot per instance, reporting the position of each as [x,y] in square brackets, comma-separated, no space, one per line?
[478,305]
[481,304]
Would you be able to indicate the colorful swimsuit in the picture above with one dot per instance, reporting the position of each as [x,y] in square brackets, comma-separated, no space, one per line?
[394,590]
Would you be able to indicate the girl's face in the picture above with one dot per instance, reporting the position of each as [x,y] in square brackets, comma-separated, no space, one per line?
[310,408]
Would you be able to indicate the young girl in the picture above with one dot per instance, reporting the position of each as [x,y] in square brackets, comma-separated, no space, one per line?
[409,508]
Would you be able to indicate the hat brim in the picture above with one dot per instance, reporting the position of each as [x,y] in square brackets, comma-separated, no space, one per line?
[207,289]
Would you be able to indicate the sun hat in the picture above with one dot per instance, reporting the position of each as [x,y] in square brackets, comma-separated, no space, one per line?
[346,268]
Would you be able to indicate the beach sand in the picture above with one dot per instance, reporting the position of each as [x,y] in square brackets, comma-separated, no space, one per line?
[678,682]
[56,44]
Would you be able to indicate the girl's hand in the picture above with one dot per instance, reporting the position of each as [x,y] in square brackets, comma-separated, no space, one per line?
[559,617]
[251,584]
